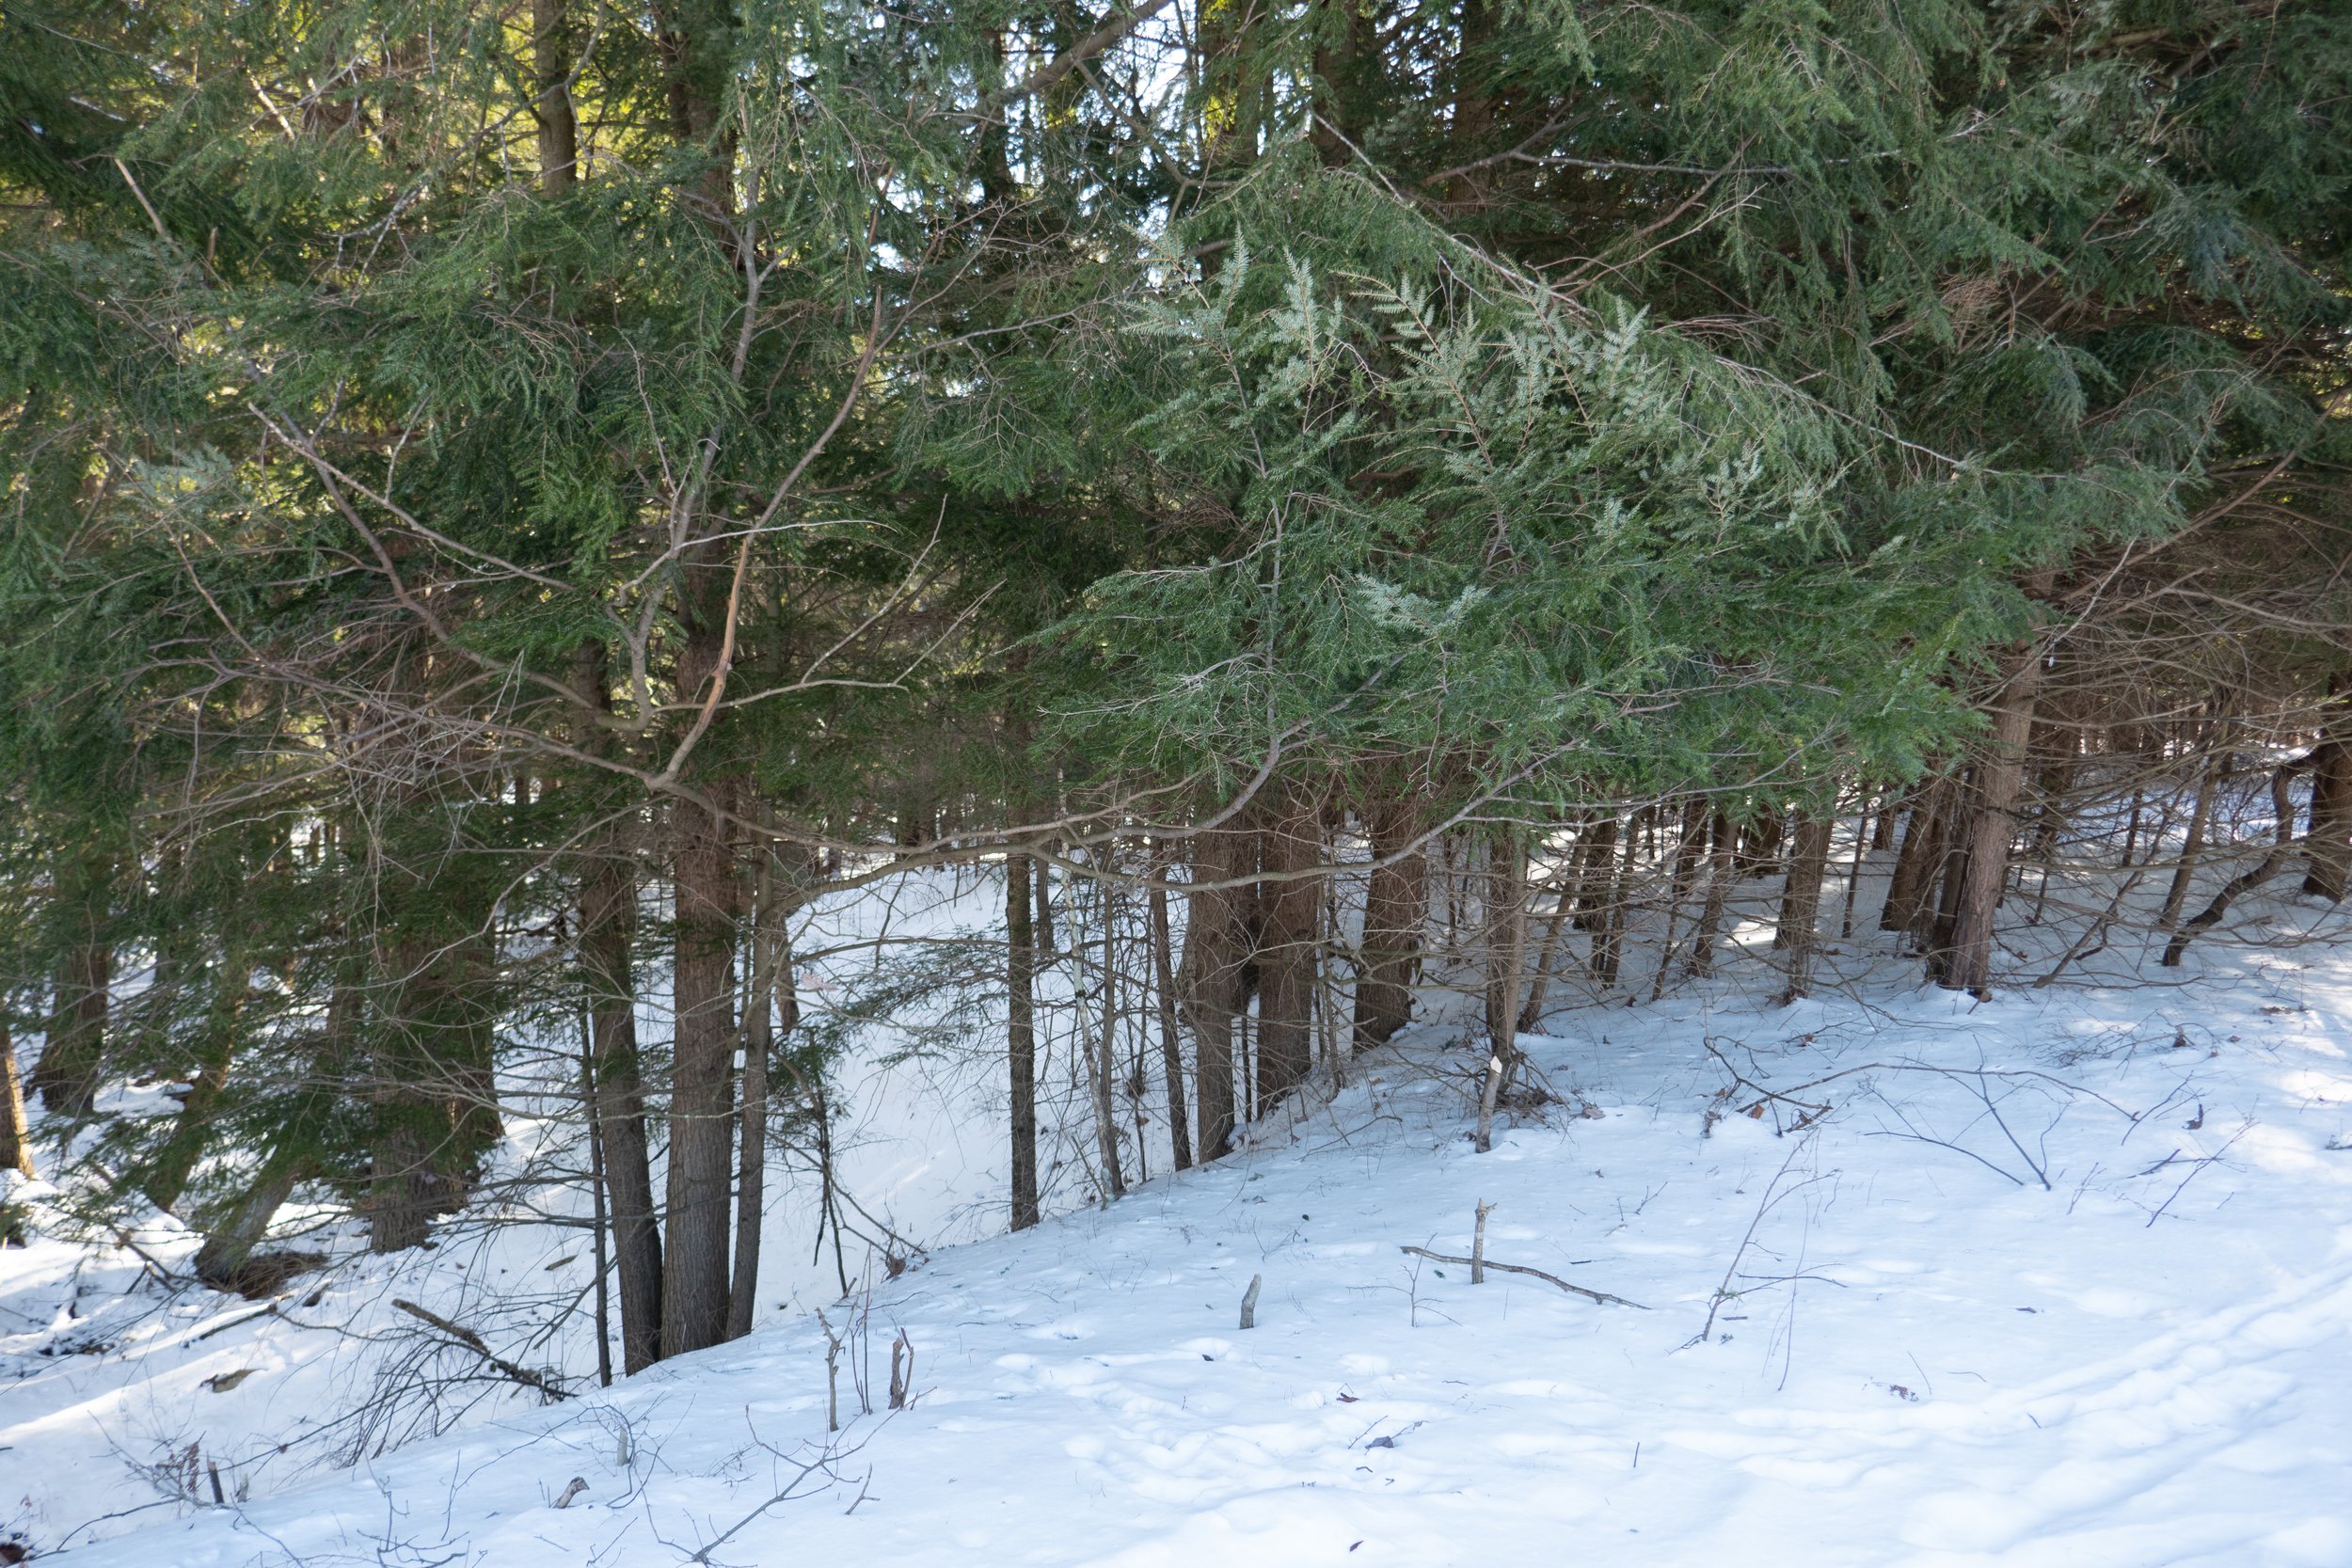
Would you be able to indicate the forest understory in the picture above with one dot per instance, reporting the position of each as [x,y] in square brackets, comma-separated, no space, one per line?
[1086,781]
[1890,1275]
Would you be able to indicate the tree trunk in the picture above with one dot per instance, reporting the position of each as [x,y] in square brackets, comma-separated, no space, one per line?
[1020,1037]
[1163,992]
[694,1285]
[1913,886]
[1102,1059]
[1291,855]
[1721,870]
[1609,952]
[1506,946]
[2200,816]
[66,1074]
[1687,848]
[2329,854]
[552,46]
[770,956]
[1210,980]
[1393,918]
[1539,984]
[1967,963]
[1801,902]
[16,1142]
[608,925]
[2281,853]
[232,1231]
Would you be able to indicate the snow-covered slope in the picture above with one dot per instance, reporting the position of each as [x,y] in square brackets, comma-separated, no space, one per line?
[2063,1278]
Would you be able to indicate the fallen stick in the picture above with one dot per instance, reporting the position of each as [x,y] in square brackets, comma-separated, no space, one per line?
[472,1341]
[1603,1297]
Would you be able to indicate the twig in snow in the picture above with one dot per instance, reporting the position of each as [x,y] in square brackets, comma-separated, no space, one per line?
[1600,1297]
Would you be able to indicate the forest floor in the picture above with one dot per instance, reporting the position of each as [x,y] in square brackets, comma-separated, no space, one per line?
[2060,1278]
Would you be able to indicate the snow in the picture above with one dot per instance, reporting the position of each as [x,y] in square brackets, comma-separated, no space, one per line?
[2062,1278]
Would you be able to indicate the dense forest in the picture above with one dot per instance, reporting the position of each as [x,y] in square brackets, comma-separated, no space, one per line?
[1310,507]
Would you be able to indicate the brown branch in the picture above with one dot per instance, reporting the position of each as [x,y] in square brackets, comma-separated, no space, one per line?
[1603,1297]
[472,1341]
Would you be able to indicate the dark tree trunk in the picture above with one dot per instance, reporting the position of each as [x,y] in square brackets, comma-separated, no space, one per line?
[1101,1055]
[2330,856]
[551,47]
[1913,887]
[1020,1037]
[1801,902]
[235,1229]
[694,1285]
[1967,964]
[1291,856]
[771,974]
[66,1074]
[1759,844]
[2200,819]
[1688,847]
[1609,951]
[16,1143]
[1393,917]
[1721,873]
[1164,995]
[608,925]
[1211,979]
[2281,854]
[1506,949]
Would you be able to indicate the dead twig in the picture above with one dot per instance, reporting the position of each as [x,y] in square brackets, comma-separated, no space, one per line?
[1603,1297]
[547,1386]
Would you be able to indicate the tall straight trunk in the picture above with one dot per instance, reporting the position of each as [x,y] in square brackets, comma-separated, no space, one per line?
[1595,852]
[1539,984]
[608,888]
[1920,859]
[1164,995]
[1042,934]
[1991,827]
[770,972]
[601,1204]
[695,1283]
[1102,1058]
[1688,847]
[1800,901]
[1609,950]
[1210,980]
[1291,855]
[1506,947]
[66,1074]
[1395,823]
[552,50]
[1020,1037]
[2330,852]
[1862,838]
[2200,817]
[16,1141]
[1721,871]
[1759,844]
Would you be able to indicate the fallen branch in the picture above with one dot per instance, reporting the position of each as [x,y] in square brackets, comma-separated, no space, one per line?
[472,1341]
[1603,1297]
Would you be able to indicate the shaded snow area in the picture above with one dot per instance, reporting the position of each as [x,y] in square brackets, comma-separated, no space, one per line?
[2062,1278]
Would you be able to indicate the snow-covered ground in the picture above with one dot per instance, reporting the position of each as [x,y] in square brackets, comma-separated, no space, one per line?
[2063,1278]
